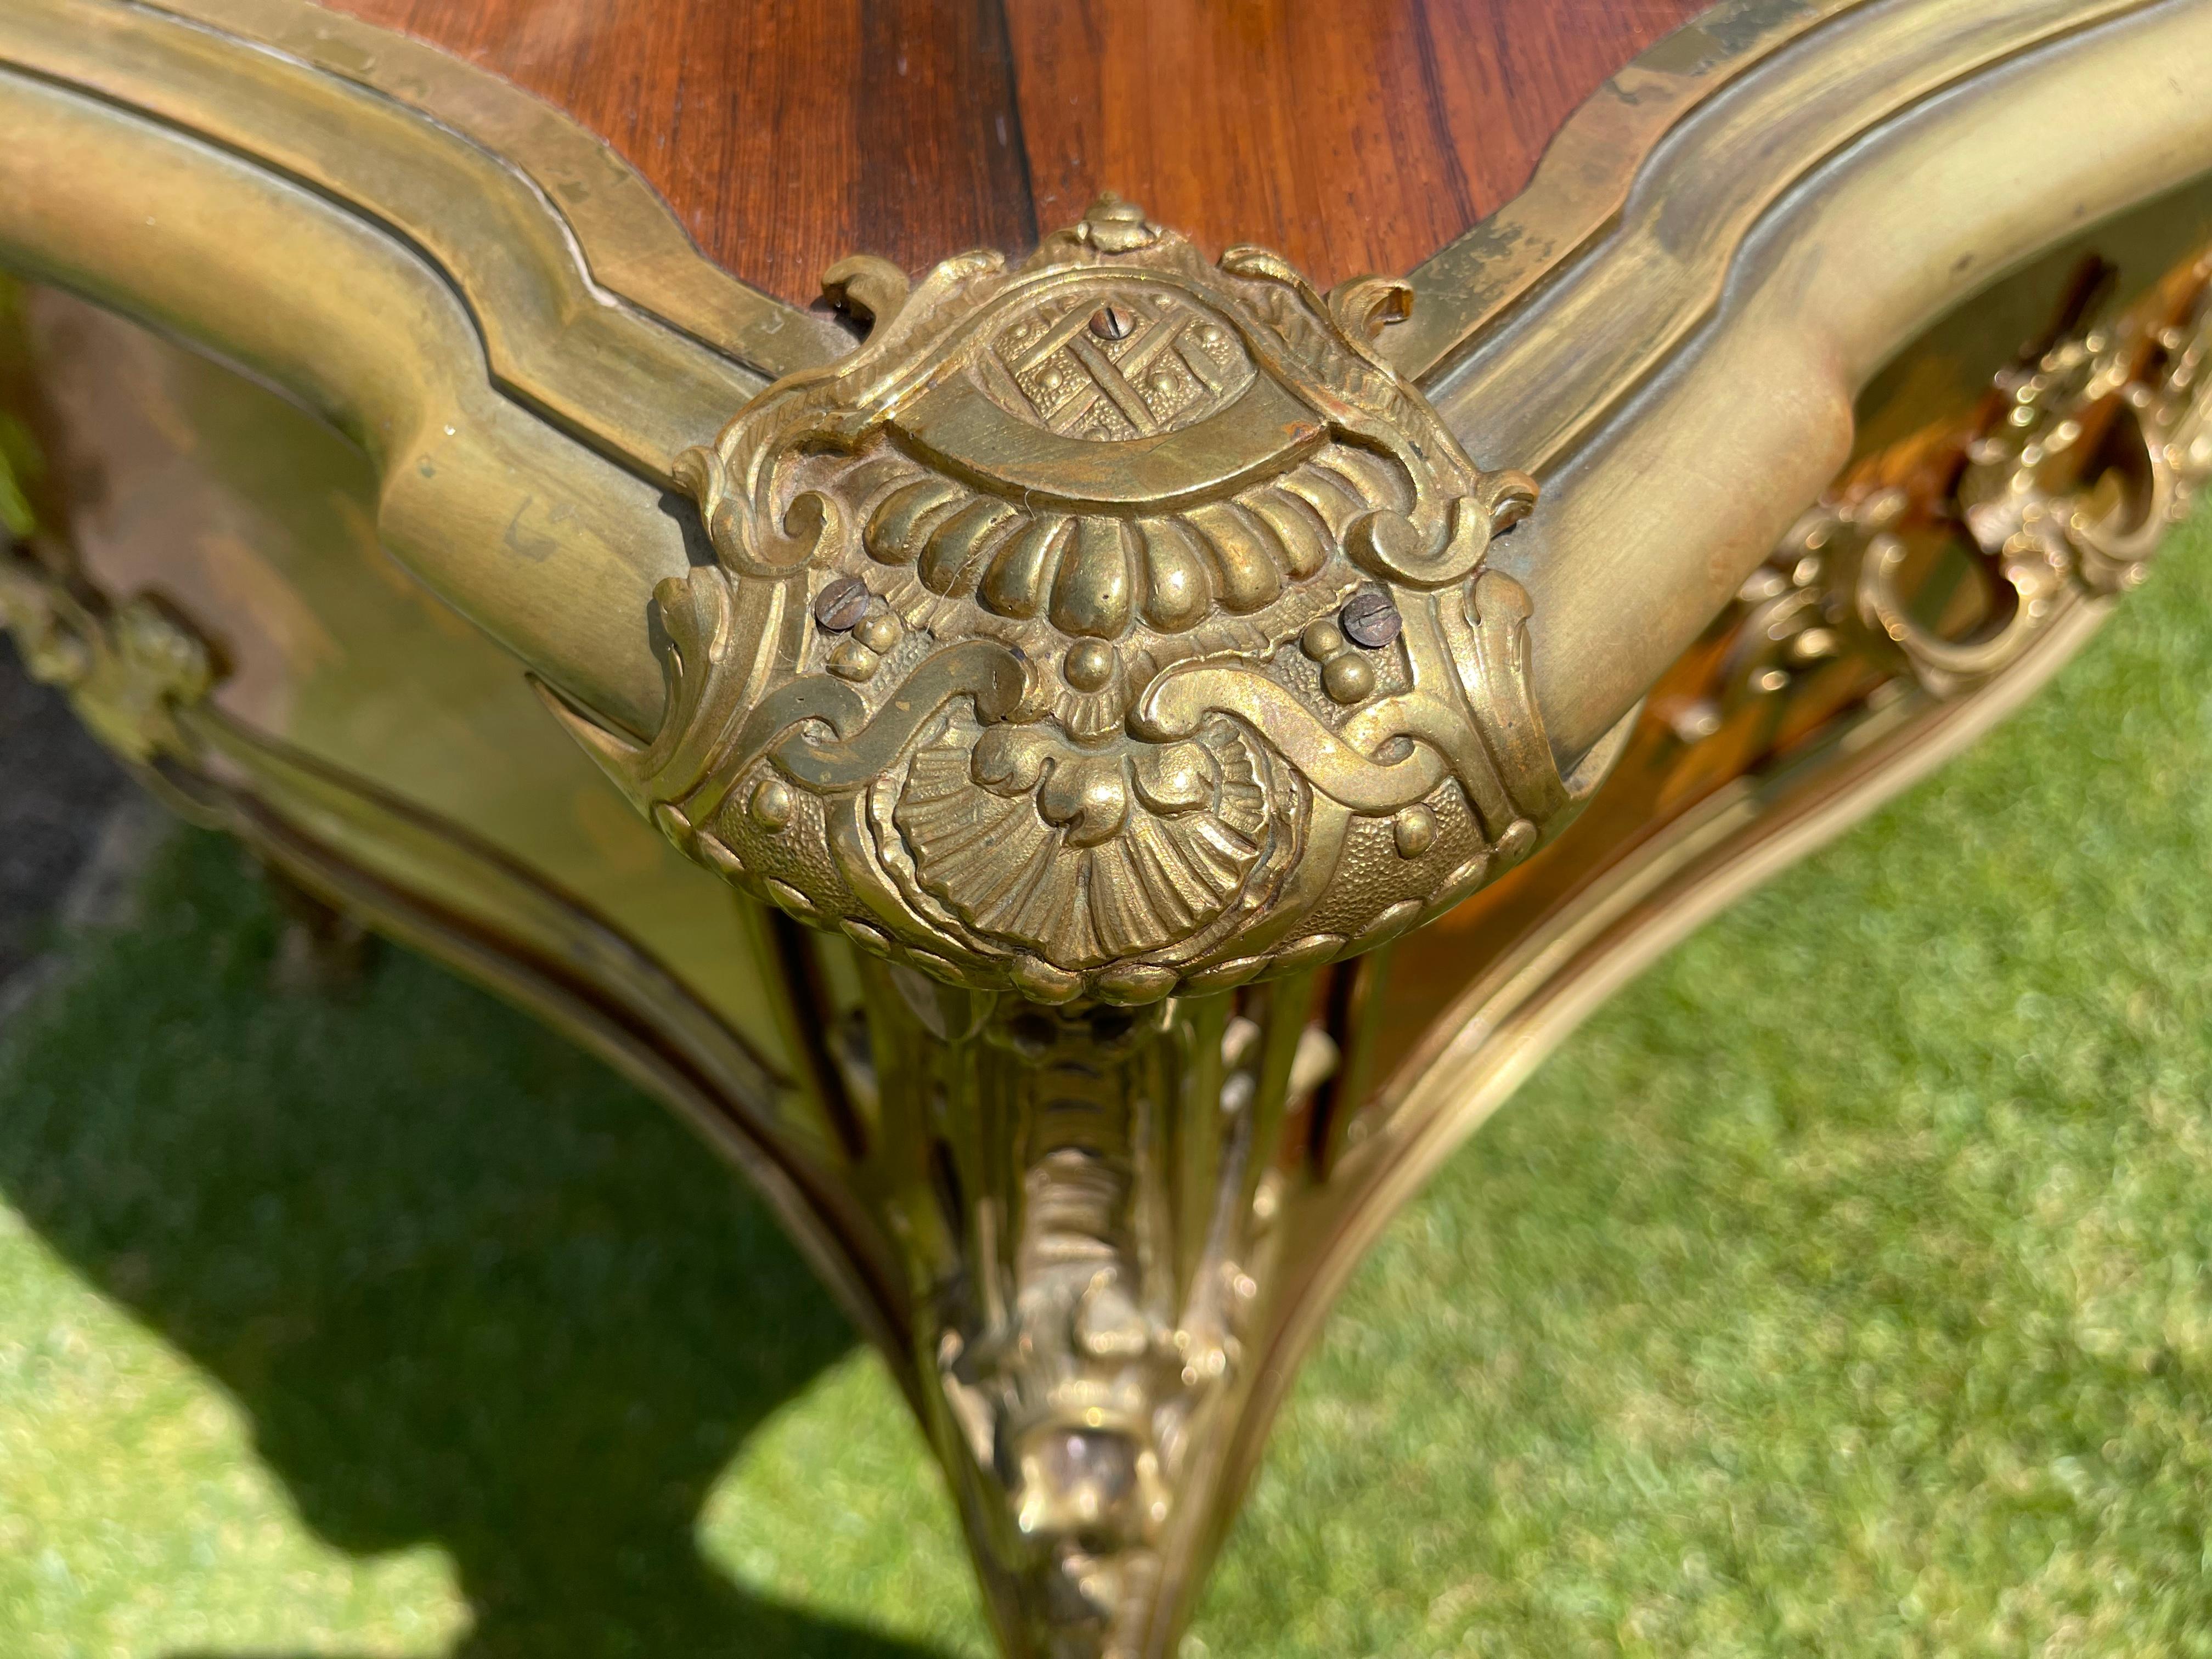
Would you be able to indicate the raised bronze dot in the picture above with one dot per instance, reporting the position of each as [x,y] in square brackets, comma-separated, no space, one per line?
[853,661]
[842,604]
[1370,619]
[1089,665]
[772,804]
[1112,322]
[1322,640]
[1349,677]
[1414,829]
[879,633]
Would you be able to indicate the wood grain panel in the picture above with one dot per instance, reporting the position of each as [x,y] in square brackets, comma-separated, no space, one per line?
[1358,136]
[787,133]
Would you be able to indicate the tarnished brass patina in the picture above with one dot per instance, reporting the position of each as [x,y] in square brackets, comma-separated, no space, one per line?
[1069,699]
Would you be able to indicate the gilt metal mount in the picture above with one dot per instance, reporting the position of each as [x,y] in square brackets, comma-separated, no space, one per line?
[1086,666]
[1106,625]
[1102,647]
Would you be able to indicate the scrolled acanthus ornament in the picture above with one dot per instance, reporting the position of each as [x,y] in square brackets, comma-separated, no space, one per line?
[1104,625]
[2085,454]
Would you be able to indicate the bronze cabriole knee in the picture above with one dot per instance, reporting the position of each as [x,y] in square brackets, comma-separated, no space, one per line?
[1147,754]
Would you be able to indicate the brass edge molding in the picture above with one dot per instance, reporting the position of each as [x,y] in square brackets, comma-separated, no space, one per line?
[1573,567]
[1111,624]
[632,386]
[1631,299]
[631,240]
[1834,281]
[548,547]
[1586,173]
[139,676]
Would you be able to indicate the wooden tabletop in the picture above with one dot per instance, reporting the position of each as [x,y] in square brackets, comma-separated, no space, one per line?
[1356,136]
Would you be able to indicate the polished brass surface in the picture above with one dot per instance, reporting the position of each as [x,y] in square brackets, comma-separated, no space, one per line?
[1611,569]
[1026,659]
[1080,673]
[500,514]
[638,390]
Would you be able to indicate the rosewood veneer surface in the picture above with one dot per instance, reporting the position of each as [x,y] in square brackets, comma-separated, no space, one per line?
[1350,137]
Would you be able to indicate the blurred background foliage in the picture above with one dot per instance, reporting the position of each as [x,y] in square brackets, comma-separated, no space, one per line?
[1843,1288]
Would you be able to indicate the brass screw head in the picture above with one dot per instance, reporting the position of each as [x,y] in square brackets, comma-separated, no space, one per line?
[1112,322]
[1370,619]
[842,604]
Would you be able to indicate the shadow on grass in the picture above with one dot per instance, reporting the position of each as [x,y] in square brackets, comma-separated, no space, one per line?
[472,1290]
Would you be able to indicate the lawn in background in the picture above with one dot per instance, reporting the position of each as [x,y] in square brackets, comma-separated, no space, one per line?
[1844,1287]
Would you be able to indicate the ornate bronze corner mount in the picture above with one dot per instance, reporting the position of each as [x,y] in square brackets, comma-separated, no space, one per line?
[1107,628]
[1106,625]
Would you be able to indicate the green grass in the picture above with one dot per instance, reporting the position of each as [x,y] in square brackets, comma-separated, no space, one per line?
[1844,1288]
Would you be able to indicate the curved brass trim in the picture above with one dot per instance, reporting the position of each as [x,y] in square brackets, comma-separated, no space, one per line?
[1617,579]
[633,388]
[1685,471]
[545,544]
[972,437]
[631,241]
[1583,180]
[1637,296]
